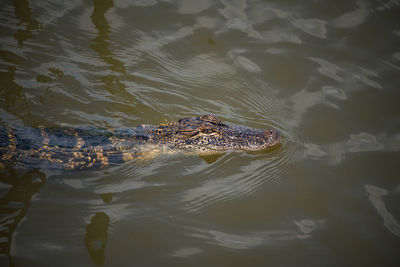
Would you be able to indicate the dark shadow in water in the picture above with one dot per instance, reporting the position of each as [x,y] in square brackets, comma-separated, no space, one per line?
[101,45]
[211,158]
[96,237]
[23,14]
[12,97]
[15,203]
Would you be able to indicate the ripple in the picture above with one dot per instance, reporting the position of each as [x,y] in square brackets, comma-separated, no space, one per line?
[231,186]
[232,180]
[351,19]
[364,78]
[279,37]
[261,12]
[234,12]
[186,252]
[363,142]
[245,63]
[301,229]
[335,92]
[375,195]
[314,27]
[328,69]
[386,5]
[193,6]
[207,66]
[314,150]
[301,102]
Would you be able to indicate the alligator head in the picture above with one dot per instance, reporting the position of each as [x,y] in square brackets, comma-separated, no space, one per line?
[207,134]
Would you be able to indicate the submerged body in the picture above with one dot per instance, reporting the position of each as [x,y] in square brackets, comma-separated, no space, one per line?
[85,148]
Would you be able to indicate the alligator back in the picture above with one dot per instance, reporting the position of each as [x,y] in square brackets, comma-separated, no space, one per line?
[67,148]
[70,148]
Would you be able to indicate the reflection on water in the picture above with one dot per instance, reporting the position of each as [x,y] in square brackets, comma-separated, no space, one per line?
[186,252]
[29,25]
[362,142]
[237,18]
[314,27]
[101,42]
[17,191]
[13,98]
[96,237]
[323,73]
[304,230]
[101,45]
[353,18]
[328,69]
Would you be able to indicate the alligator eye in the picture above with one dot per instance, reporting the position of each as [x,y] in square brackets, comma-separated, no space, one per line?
[207,131]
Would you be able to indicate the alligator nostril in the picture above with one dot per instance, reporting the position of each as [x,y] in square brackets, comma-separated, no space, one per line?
[269,132]
[273,134]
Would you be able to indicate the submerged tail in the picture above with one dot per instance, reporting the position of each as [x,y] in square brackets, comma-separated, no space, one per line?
[62,148]
[8,143]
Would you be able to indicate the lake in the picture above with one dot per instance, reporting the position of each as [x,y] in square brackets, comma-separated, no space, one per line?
[323,73]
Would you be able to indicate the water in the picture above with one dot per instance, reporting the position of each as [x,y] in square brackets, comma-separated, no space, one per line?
[325,73]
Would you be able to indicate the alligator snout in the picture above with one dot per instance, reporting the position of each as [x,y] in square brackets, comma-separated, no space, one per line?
[273,136]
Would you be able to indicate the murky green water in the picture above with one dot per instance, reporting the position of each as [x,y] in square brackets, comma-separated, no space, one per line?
[325,73]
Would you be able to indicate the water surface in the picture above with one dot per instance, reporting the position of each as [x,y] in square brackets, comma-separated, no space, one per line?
[324,73]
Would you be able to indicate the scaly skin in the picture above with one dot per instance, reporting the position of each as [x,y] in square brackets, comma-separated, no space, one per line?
[84,148]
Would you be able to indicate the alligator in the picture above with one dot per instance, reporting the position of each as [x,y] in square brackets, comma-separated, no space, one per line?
[80,148]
